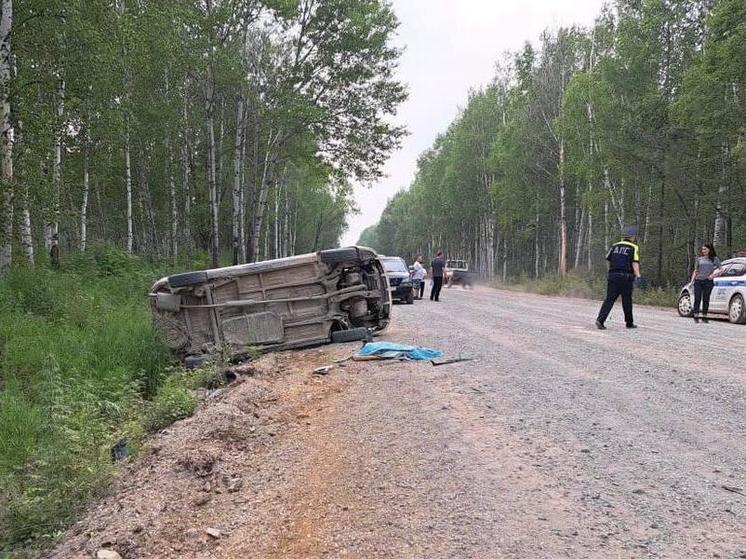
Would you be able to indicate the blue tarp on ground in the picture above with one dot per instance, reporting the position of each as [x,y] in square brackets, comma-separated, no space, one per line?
[391,350]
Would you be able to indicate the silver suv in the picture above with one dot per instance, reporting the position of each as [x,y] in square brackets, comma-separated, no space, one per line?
[728,294]
[331,295]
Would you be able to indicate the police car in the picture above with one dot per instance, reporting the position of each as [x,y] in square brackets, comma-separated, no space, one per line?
[728,294]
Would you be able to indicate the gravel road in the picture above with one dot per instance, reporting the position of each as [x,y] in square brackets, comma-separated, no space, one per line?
[558,440]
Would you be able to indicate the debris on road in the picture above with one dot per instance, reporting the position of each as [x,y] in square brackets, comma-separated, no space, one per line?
[201,500]
[213,533]
[736,490]
[391,350]
[344,359]
[367,358]
[449,361]
[107,554]
[323,370]
[119,451]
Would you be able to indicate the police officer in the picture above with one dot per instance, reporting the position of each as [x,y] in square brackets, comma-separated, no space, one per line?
[624,271]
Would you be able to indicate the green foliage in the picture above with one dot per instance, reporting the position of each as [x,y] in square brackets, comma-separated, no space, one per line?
[369,238]
[589,286]
[315,83]
[639,119]
[80,367]
[203,377]
[173,402]
[658,296]
[575,284]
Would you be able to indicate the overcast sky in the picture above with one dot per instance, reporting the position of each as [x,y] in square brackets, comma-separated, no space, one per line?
[451,46]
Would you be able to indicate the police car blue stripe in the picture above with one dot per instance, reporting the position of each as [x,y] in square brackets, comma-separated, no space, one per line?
[730,283]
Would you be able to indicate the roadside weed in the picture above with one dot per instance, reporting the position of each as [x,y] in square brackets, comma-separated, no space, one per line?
[80,368]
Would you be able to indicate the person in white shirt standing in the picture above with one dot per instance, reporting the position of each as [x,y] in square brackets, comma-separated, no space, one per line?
[418,277]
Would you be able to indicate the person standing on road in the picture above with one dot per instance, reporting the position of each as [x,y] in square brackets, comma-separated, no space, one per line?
[624,271]
[704,271]
[436,267]
[418,276]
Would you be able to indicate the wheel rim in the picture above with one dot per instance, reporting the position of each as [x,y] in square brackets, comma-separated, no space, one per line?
[736,308]
[685,304]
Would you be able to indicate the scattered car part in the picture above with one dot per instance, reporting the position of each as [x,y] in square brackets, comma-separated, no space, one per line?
[449,361]
[323,370]
[120,450]
[351,335]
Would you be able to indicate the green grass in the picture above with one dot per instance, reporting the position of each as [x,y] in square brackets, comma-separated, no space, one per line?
[80,368]
[577,284]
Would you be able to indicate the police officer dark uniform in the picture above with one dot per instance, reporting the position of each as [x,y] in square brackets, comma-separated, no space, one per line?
[624,268]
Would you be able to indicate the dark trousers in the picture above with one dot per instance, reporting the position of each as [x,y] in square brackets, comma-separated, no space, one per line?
[702,290]
[616,285]
[435,291]
[422,288]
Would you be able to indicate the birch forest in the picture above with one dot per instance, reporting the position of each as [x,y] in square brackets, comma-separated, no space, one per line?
[637,120]
[173,126]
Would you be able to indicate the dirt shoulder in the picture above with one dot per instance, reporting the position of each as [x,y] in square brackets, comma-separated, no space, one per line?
[557,440]
[233,467]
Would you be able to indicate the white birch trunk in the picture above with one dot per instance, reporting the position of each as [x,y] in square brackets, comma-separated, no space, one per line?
[212,185]
[720,227]
[606,224]
[242,216]
[262,201]
[84,201]
[591,143]
[581,237]
[617,198]
[277,222]
[696,228]
[505,260]
[491,247]
[647,213]
[563,212]
[537,256]
[143,243]
[266,245]
[174,249]
[294,234]
[149,228]
[186,170]
[6,140]
[219,151]
[211,172]
[121,7]
[53,227]
[237,190]
[590,240]
[128,186]
[286,225]
[104,230]
[25,230]
[27,239]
